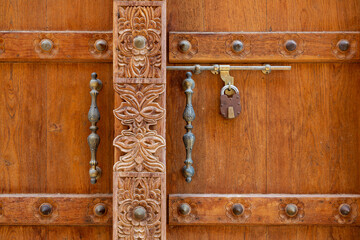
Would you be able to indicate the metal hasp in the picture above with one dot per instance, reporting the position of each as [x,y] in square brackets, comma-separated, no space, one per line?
[94,139]
[197,69]
[188,138]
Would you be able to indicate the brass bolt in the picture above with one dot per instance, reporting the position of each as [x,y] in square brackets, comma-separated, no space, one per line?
[290,45]
[139,213]
[139,42]
[344,209]
[238,209]
[100,209]
[291,210]
[184,209]
[45,209]
[46,45]
[184,45]
[343,45]
[101,45]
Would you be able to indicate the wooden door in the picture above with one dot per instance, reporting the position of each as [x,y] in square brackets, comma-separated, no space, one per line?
[47,55]
[293,148]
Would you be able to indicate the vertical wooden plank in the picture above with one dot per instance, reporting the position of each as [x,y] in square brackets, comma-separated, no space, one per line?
[139,182]
[20,15]
[23,232]
[23,128]
[78,233]
[68,153]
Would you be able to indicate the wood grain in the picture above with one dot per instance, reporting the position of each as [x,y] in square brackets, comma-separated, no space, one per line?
[67,46]
[68,209]
[260,209]
[216,47]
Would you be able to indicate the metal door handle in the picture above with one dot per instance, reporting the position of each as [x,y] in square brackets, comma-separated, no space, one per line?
[94,139]
[189,137]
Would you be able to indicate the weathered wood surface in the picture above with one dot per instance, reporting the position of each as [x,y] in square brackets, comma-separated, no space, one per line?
[71,46]
[263,209]
[67,209]
[210,47]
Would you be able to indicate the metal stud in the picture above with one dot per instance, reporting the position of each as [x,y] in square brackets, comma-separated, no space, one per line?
[237,46]
[139,213]
[139,42]
[343,45]
[291,210]
[184,45]
[46,45]
[101,45]
[290,45]
[100,209]
[344,209]
[45,209]
[184,209]
[238,209]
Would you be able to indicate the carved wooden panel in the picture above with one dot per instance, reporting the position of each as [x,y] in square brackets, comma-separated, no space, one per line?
[139,82]
[269,209]
[210,47]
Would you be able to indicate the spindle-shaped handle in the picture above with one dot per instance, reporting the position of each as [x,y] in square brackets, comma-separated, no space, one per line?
[94,117]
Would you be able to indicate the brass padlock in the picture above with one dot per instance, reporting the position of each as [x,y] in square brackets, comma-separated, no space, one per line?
[230,106]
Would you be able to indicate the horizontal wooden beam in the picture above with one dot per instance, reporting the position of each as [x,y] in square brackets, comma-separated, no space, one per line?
[56,46]
[56,209]
[260,47]
[263,209]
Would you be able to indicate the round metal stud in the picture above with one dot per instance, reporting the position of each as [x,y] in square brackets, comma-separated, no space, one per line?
[184,45]
[344,209]
[46,45]
[238,209]
[100,209]
[139,42]
[139,213]
[184,209]
[343,45]
[237,46]
[290,45]
[101,45]
[45,209]
[291,210]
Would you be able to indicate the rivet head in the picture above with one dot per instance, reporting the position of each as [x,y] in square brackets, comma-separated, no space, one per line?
[345,209]
[184,209]
[46,45]
[101,45]
[238,209]
[184,45]
[237,46]
[139,42]
[290,45]
[291,210]
[139,213]
[343,45]
[100,210]
[45,209]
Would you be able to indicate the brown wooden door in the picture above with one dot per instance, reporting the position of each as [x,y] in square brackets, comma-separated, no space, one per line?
[44,154]
[296,140]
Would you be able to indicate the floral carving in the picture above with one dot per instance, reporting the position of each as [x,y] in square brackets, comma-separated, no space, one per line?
[238,218]
[188,218]
[139,143]
[136,192]
[344,55]
[300,46]
[284,217]
[133,21]
[246,46]
[341,218]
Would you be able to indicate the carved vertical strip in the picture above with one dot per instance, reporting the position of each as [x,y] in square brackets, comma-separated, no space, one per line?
[139,178]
